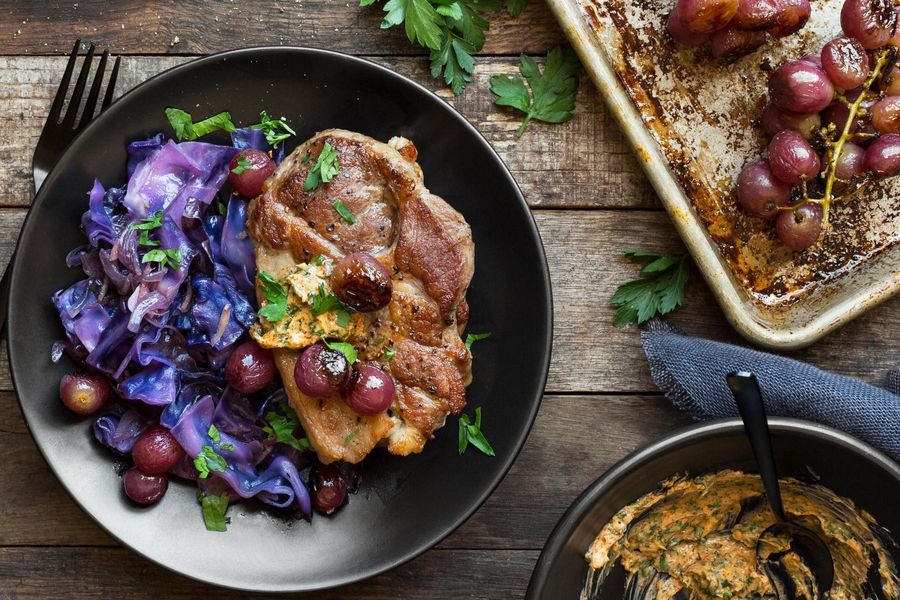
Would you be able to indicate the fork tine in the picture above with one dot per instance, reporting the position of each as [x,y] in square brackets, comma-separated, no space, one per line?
[55,110]
[88,113]
[111,85]
[75,100]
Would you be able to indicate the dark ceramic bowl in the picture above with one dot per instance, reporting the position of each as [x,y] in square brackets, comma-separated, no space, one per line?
[845,464]
[406,505]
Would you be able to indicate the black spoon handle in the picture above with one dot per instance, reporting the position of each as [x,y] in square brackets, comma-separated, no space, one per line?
[750,404]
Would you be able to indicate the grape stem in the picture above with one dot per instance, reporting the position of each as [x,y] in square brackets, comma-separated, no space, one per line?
[835,149]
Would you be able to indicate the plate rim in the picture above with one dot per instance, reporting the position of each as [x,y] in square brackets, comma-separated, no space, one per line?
[544,355]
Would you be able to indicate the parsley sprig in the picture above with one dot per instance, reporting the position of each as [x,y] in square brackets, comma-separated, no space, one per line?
[276,294]
[659,289]
[551,97]
[323,302]
[209,460]
[281,428]
[453,30]
[326,167]
[275,130]
[145,226]
[168,257]
[470,433]
[242,165]
[344,348]
[471,338]
[214,508]
[186,129]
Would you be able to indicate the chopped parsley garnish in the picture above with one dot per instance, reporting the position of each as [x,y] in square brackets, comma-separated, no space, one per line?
[323,302]
[281,428]
[213,508]
[146,225]
[344,348]
[169,257]
[389,353]
[470,433]
[658,291]
[344,212]
[350,437]
[474,337]
[552,92]
[242,165]
[276,294]
[208,460]
[213,433]
[275,130]
[326,167]
[318,260]
[185,129]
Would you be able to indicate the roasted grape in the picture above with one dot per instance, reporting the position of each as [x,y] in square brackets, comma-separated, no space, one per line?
[791,18]
[83,393]
[759,192]
[792,159]
[156,451]
[321,372]
[680,32]
[248,170]
[371,390]
[360,281]
[845,62]
[798,229]
[886,115]
[732,42]
[851,163]
[775,120]
[143,488]
[800,87]
[329,489]
[754,15]
[883,155]
[707,16]
[249,368]
[872,22]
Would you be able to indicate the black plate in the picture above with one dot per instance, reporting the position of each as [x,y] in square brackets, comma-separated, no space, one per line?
[406,505]
[846,465]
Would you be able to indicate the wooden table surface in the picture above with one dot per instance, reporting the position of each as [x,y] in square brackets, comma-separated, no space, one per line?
[590,200]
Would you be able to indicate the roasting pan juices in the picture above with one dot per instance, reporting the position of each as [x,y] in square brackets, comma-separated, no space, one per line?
[694,122]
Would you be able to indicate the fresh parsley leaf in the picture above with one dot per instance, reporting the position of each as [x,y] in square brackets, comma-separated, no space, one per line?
[185,129]
[454,60]
[318,260]
[150,223]
[342,318]
[213,433]
[170,257]
[344,212]
[344,348]
[470,433]
[323,302]
[420,19]
[281,428]
[659,290]
[326,167]
[389,353]
[552,92]
[208,460]
[275,130]
[227,447]
[214,508]
[474,337]
[242,165]
[350,437]
[276,294]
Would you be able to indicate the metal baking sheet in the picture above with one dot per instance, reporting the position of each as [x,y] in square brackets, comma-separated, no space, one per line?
[693,122]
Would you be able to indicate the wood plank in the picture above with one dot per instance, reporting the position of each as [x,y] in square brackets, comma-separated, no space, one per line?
[574,440]
[584,162]
[590,355]
[40,573]
[198,27]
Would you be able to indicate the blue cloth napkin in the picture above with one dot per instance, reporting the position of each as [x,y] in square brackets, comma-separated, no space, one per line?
[691,372]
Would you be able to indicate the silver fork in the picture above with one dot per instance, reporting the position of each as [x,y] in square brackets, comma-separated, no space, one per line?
[58,132]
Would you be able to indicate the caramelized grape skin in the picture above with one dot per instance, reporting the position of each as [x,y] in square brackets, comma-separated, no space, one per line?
[886,115]
[83,393]
[872,22]
[883,155]
[759,192]
[249,368]
[371,390]
[800,87]
[792,16]
[321,372]
[851,163]
[754,15]
[892,86]
[257,167]
[845,62]
[329,489]
[799,229]
[360,281]
[679,31]
[732,42]
[776,120]
[143,488]
[156,451]
[792,159]
[707,16]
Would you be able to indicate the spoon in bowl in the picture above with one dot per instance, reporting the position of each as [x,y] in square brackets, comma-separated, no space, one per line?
[803,541]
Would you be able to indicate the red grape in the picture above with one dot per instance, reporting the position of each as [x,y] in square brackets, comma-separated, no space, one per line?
[156,451]
[143,488]
[895,40]
[248,170]
[360,281]
[371,390]
[679,31]
[892,82]
[799,229]
[732,42]
[851,163]
[754,15]
[321,372]
[800,87]
[759,192]
[83,393]
[707,16]
[329,489]
[883,155]
[813,58]
[845,62]
[872,22]
[775,120]
[249,368]
[792,159]
[792,16]
[886,115]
